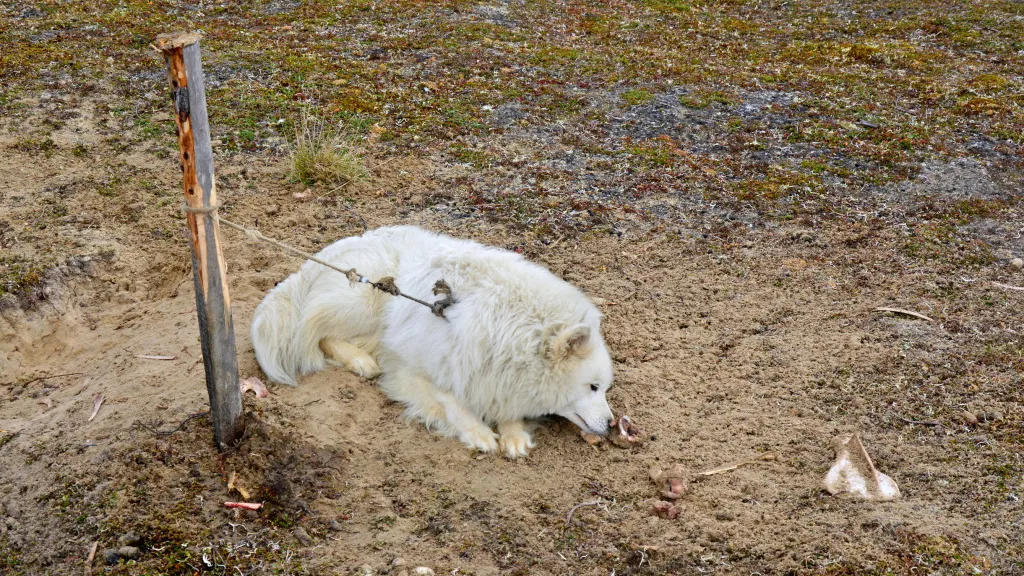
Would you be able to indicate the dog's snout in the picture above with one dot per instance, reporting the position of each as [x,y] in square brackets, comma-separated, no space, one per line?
[602,429]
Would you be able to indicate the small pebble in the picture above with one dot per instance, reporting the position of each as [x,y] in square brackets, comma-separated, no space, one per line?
[422,571]
[111,557]
[1017,263]
[399,563]
[367,570]
[336,526]
[128,552]
[129,539]
[716,536]
[990,416]
[969,418]
[302,536]
[664,509]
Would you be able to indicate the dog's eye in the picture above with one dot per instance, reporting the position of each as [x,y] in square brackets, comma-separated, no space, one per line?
[594,387]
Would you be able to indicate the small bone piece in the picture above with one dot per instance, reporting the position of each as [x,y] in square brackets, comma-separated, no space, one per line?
[671,482]
[256,385]
[624,433]
[664,509]
[854,472]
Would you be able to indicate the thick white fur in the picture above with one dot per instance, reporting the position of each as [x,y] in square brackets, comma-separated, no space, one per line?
[517,343]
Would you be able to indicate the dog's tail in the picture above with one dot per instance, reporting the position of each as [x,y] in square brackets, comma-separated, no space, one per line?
[286,344]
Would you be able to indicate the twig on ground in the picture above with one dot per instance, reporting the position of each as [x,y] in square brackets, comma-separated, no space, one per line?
[27,382]
[163,433]
[902,311]
[244,505]
[1008,287]
[766,457]
[92,555]
[568,518]
[921,422]
[97,401]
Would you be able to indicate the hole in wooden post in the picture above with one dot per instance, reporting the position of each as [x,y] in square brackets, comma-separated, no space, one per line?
[174,83]
[186,155]
[191,191]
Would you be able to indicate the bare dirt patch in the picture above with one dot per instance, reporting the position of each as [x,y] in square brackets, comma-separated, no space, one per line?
[739,236]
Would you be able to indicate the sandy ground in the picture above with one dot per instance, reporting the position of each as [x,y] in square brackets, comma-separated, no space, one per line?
[723,351]
[735,331]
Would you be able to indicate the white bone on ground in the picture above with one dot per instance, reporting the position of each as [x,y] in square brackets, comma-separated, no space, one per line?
[853,472]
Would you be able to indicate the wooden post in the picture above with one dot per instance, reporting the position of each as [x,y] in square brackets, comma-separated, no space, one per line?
[213,304]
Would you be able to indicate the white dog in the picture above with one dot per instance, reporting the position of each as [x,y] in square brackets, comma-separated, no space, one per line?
[517,343]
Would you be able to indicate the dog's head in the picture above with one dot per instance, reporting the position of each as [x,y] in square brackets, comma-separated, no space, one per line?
[582,360]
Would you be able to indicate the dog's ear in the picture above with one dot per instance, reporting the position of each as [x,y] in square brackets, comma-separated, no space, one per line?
[574,341]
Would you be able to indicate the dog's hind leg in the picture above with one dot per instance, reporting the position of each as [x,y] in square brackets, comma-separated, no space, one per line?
[515,439]
[349,357]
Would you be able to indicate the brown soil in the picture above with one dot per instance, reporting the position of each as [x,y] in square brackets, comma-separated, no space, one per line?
[736,330]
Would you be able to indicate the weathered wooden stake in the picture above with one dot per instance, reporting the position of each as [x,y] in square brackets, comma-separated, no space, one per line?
[213,304]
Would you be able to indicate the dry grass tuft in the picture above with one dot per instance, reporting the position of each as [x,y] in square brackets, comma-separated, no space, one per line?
[321,153]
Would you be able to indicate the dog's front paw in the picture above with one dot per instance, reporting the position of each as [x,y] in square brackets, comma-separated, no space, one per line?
[480,438]
[516,444]
[516,440]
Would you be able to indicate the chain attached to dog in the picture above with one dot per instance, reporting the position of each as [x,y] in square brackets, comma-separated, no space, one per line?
[386,284]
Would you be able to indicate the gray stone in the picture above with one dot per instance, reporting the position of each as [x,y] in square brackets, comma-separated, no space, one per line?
[302,536]
[111,556]
[129,539]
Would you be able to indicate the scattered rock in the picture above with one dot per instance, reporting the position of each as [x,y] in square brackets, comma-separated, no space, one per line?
[111,556]
[794,264]
[422,571]
[398,563]
[969,418]
[853,472]
[336,526]
[666,510]
[1017,263]
[990,416]
[272,209]
[366,570]
[129,539]
[302,536]
[715,536]
[128,552]
[671,482]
